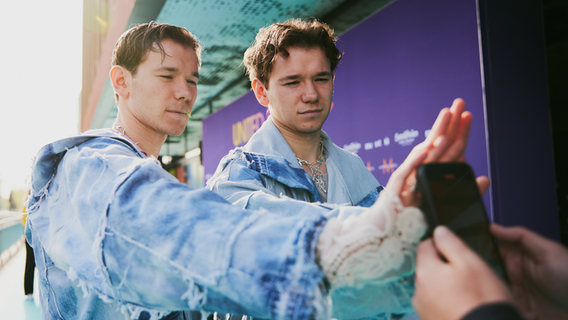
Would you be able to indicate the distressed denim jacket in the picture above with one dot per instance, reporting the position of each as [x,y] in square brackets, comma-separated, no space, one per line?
[268,164]
[117,237]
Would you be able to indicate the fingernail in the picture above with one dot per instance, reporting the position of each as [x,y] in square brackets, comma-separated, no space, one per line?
[441,231]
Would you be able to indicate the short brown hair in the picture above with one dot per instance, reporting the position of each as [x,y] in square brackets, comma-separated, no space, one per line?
[276,38]
[133,46]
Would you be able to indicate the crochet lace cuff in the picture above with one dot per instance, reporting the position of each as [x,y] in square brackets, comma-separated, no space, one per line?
[376,246]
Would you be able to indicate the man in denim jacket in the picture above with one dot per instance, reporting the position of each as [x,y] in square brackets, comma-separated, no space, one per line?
[291,66]
[115,236]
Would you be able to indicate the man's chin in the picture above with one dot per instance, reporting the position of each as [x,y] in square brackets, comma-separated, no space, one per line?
[312,126]
[175,132]
[311,130]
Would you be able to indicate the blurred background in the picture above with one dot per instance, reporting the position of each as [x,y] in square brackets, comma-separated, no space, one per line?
[55,58]
[40,87]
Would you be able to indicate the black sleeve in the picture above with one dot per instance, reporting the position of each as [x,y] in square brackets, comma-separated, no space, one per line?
[494,311]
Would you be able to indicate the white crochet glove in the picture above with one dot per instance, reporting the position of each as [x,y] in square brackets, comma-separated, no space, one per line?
[376,246]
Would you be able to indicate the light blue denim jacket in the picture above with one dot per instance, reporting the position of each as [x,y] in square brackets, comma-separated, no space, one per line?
[114,234]
[268,164]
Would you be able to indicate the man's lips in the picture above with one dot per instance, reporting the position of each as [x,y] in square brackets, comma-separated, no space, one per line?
[308,112]
[178,113]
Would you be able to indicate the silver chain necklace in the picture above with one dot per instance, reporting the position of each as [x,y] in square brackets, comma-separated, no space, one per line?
[317,175]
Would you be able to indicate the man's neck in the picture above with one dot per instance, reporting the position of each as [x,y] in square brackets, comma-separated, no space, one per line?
[144,137]
[305,146]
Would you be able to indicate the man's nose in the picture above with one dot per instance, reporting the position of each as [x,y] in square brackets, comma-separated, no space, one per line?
[310,93]
[183,92]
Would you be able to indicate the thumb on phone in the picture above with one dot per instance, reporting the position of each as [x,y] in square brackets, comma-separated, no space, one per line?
[451,247]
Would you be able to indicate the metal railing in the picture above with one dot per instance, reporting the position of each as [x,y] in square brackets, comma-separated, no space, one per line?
[11,235]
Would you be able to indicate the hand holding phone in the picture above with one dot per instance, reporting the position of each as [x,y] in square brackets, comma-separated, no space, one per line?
[450,197]
[452,280]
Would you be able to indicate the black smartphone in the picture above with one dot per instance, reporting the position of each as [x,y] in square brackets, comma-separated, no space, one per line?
[450,197]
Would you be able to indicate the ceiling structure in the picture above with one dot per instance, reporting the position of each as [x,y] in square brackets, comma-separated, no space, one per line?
[225,29]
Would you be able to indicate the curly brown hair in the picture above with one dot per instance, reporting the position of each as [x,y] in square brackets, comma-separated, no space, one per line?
[276,38]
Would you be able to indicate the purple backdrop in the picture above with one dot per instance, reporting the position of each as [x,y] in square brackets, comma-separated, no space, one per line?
[401,66]
[242,116]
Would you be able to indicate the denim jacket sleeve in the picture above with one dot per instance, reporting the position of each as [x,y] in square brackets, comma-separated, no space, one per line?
[127,230]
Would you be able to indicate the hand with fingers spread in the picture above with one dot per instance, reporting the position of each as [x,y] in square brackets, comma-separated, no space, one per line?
[450,290]
[451,132]
[538,271]
[446,142]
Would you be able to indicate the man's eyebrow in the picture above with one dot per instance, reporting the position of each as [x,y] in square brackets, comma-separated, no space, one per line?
[170,69]
[297,76]
[324,73]
[174,69]
[290,77]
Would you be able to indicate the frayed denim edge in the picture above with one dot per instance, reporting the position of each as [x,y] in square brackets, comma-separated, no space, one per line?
[41,196]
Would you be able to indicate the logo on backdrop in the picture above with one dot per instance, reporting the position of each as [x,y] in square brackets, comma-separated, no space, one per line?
[407,137]
[388,167]
[243,130]
[353,147]
[377,143]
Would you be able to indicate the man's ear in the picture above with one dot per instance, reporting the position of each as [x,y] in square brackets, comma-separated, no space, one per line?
[120,79]
[260,92]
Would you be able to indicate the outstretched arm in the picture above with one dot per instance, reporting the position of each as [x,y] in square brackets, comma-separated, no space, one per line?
[129,233]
